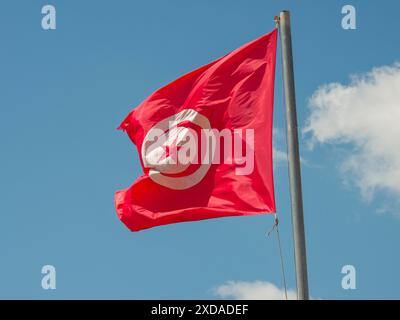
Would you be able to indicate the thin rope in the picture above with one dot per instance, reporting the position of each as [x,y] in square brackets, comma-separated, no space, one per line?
[281,258]
[276,227]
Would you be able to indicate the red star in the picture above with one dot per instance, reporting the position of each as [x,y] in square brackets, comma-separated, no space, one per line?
[171,150]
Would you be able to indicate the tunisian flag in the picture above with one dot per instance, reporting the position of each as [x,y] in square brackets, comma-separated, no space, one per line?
[205,142]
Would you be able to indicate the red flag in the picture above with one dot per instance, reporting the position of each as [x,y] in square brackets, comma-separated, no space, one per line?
[205,142]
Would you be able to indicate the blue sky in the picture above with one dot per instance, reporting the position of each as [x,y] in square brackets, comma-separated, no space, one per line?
[65,91]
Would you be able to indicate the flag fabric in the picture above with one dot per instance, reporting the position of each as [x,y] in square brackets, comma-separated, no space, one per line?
[205,142]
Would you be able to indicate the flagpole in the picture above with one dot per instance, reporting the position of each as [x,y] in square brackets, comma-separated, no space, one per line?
[293,157]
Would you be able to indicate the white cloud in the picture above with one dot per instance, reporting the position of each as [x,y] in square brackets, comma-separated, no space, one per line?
[256,290]
[365,115]
[279,156]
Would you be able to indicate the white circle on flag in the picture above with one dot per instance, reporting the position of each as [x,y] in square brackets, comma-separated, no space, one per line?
[164,134]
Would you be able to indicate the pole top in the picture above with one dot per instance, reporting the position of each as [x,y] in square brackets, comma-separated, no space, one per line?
[284,17]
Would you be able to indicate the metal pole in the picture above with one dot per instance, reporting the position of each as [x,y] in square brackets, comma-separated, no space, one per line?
[293,157]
